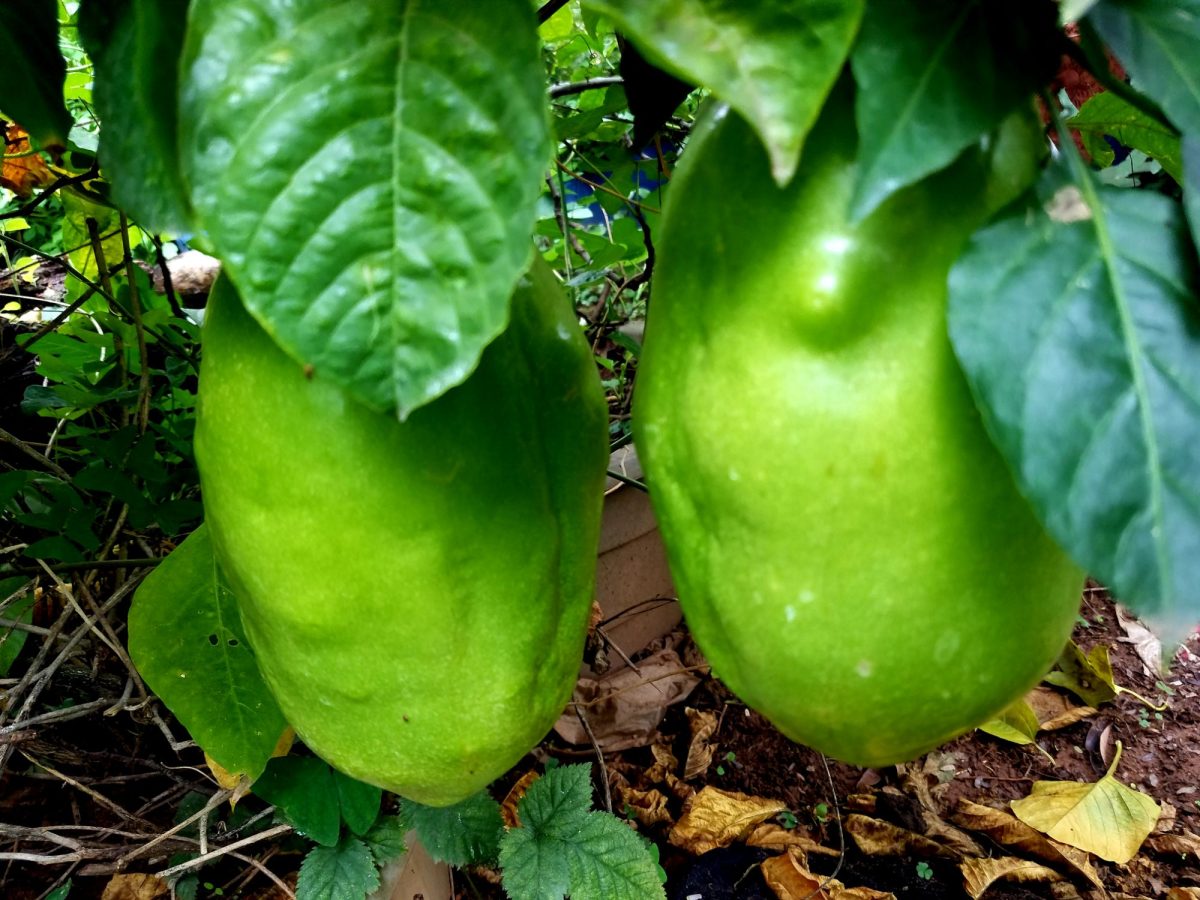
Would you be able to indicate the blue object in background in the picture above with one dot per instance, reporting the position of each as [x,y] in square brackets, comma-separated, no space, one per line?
[646,176]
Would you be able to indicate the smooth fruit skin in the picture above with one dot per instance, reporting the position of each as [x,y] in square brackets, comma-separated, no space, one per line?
[849,549]
[417,594]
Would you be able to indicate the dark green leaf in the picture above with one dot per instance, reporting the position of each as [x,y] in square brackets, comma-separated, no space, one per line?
[563,847]
[463,834]
[1107,114]
[302,789]
[344,872]
[373,207]
[359,802]
[1191,184]
[135,46]
[936,75]
[186,638]
[774,63]
[1158,42]
[59,548]
[1093,394]
[34,70]
[385,840]
[19,610]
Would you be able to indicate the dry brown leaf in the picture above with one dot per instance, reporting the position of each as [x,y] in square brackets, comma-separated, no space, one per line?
[508,809]
[933,825]
[1175,844]
[22,170]
[717,818]
[980,874]
[1183,893]
[1166,818]
[1010,832]
[876,837]
[665,763]
[624,708]
[770,836]
[1054,710]
[703,726]
[788,876]
[1145,643]
[649,807]
[135,887]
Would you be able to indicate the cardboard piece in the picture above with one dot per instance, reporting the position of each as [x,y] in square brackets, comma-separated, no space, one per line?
[414,875]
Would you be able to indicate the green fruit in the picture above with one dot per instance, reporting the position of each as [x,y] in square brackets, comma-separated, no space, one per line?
[849,549]
[417,594]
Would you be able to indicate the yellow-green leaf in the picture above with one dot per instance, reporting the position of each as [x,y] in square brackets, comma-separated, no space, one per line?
[1089,677]
[1018,724]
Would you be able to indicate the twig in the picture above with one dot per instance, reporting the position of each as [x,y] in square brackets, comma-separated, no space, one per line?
[599,756]
[57,715]
[214,801]
[43,461]
[549,8]
[567,88]
[91,792]
[222,851]
[144,562]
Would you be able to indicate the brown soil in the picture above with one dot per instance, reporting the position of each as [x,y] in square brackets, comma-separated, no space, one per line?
[112,783]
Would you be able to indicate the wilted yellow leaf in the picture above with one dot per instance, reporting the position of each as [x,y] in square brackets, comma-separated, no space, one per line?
[22,169]
[1105,818]
[1183,893]
[980,874]
[717,818]
[1054,710]
[1089,677]
[1009,831]
[1018,724]
[876,837]
[1175,844]
[135,887]
[788,876]
[770,836]
[703,725]
[508,809]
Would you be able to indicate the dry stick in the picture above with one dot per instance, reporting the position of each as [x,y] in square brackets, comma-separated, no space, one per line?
[222,851]
[135,302]
[279,882]
[33,454]
[216,800]
[64,590]
[91,792]
[599,755]
[567,88]
[116,646]
[57,715]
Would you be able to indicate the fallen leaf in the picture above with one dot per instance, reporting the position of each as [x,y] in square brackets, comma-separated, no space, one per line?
[1089,677]
[1166,818]
[932,825]
[980,874]
[1175,844]
[1018,724]
[1011,833]
[1105,818]
[22,169]
[648,807]
[665,763]
[135,887]
[770,836]
[508,809]
[624,708]
[1054,710]
[1145,643]
[717,818]
[1183,893]
[788,876]
[703,726]
[876,837]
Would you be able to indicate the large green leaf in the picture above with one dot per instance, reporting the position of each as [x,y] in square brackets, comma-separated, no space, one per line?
[31,90]
[1191,184]
[773,61]
[1107,114]
[135,46]
[369,173]
[936,75]
[186,638]
[1077,323]
[1158,42]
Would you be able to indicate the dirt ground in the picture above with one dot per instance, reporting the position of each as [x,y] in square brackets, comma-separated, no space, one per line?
[84,797]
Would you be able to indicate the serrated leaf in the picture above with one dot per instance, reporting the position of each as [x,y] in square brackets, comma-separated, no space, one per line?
[467,833]
[135,47]
[359,802]
[385,839]
[936,75]
[34,69]
[1093,395]
[774,63]
[1107,114]
[302,790]
[343,872]
[1191,184]
[563,847]
[1105,818]
[1018,724]
[186,638]
[1158,42]
[369,173]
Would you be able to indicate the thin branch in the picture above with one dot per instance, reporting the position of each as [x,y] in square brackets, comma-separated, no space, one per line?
[41,460]
[567,88]
[549,8]
[277,831]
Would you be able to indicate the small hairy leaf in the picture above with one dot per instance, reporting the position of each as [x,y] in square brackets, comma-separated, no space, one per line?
[369,173]
[1158,42]
[1093,394]
[565,848]
[135,46]
[1107,114]
[774,63]
[464,834]
[34,69]
[185,636]
[385,839]
[342,872]
[936,75]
